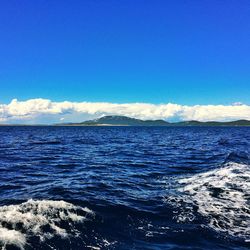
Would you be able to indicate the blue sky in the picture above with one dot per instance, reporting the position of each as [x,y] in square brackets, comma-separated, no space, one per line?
[123,51]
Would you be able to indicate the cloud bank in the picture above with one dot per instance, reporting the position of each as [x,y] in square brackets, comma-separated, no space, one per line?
[47,111]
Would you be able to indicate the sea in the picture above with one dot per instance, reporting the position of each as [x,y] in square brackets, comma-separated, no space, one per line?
[124,187]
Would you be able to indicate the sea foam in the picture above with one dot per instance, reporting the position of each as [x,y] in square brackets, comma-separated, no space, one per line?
[20,222]
[221,196]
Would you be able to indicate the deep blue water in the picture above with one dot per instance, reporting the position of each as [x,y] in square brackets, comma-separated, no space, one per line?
[124,187]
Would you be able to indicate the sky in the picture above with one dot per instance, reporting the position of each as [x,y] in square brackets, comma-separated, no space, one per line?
[189,53]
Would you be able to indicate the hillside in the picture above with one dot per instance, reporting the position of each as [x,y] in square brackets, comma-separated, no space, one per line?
[114,120]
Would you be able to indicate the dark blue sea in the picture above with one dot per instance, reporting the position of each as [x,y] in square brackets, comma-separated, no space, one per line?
[124,187]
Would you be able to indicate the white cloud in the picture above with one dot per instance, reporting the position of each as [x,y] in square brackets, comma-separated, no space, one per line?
[238,103]
[47,111]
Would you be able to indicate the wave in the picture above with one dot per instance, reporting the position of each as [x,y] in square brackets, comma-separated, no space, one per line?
[53,142]
[42,219]
[221,196]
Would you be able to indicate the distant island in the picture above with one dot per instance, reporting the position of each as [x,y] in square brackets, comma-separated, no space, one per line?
[114,120]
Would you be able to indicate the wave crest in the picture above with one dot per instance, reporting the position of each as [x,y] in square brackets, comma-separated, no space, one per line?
[29,219]
[221,196]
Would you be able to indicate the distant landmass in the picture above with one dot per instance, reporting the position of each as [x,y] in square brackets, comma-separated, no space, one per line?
[113,120]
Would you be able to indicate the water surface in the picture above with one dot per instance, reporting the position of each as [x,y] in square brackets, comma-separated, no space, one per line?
[124,187]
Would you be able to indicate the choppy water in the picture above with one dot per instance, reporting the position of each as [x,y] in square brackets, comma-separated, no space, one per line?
[124,188]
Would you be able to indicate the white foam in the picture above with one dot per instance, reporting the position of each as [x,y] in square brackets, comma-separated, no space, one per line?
[19,222]
[12,237]
[222,197]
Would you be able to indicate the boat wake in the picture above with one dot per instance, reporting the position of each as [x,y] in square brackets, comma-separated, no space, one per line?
[42,219]
[221,196]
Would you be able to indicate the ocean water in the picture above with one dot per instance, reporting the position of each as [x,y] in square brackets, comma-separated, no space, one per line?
[124,188]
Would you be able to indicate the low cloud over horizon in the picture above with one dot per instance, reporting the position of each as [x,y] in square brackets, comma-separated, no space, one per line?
[46,111]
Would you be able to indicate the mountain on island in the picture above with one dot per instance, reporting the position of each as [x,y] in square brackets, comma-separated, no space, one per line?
[114,120]
[124,121]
